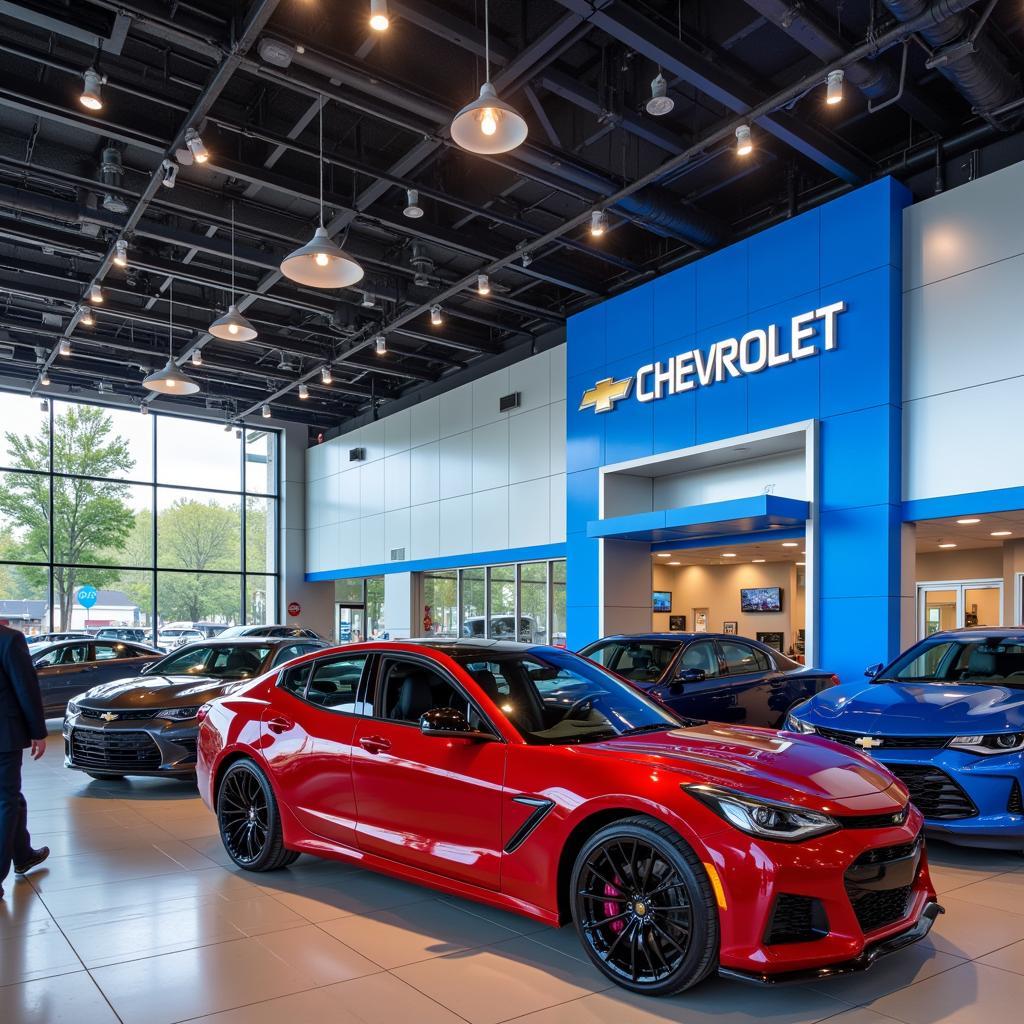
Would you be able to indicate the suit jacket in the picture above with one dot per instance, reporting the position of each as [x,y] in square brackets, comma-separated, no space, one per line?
[21,703]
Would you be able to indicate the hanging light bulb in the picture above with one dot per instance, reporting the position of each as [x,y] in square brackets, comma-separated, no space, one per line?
[303,392]
[144,409]
[834,87]
[197,358]
[121,253]
[320,263]
[412,210]
[483,284]
[95,293]
[325,375]
[64,348]
[92,97]
[660,102]
[265,412]
[195,144]
[86,319]
[170,380]
[744,143]
[232,326]
[44,379]
[598,223]
[435,316]
[488,125]
[379,20]
[382,344]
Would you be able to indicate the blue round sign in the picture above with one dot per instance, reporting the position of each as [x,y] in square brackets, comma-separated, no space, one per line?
[87,595]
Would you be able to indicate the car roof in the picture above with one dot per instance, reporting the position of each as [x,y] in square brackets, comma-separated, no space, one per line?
[677,637]
[978,631]
[252,641]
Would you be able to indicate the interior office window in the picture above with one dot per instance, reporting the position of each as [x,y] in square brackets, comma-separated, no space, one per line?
[503,603]
[439,600]
[558,616]
[533,602]
[474,586]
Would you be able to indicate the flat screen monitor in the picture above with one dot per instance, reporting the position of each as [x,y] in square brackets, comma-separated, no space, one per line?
[761,599]
[662,601]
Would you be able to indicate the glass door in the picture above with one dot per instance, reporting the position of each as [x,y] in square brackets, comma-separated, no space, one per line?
[957,604]
[350,624]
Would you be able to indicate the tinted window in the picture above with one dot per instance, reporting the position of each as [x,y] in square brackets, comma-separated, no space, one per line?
[967,659]
[334,683]
[290,651]
[742,658]
[110,651]
[410,689]
[643,661]
[237,662]
[188,662]
[700,655]
[294,680]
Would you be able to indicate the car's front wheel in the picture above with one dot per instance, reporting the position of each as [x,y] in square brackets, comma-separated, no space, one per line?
[247,815]
[644,908]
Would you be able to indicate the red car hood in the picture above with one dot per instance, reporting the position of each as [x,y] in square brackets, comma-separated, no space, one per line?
[764,763]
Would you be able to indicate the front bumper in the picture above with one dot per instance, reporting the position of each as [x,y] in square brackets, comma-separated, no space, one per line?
[147,746]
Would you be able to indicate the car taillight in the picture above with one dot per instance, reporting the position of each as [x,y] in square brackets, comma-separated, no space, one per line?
[202,713]
[833,680]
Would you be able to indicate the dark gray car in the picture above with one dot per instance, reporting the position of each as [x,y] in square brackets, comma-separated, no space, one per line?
[71,666]
[147,725]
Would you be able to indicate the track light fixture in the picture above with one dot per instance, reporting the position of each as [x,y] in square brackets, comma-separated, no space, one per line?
[325,375]
[303,392]
[379,20]
[660,102]
[44,405]
[44,379]
[92,95]
[144,409]
[265,412]
[170,380]
[527,260]
[232,326]
[195,145]
[382,344]
[121,252]
[197,358]
[412,210]
[64,348]
[368,301]
[744,143]
[320,263]
[435,316]
[86,319]
[170,175]
[483,284]
[598,223]
[488,125]
[95,293]
[834,87]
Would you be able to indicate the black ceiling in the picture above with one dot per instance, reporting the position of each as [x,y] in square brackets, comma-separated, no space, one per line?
[248,75]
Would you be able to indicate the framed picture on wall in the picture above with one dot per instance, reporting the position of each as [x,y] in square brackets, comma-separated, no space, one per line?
[677,623]
[700,620]
[773,640]
[730,627]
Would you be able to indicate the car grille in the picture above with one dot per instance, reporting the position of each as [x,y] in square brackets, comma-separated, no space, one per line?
[888,742]
[117,750]
[936,795]
[796,919]
[875,820]
[190,747]
[882,854]
[1015,805]
[874,907]
[122,716]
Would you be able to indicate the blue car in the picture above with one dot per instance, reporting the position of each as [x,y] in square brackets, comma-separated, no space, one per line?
[946,717]
[718,677]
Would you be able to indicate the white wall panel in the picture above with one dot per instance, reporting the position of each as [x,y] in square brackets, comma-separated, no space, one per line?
[371,540]
[456,464]
[396,532]
[490,519]
[371,489]
[529,513]
[486,393]
[558,433]
[349,499]
[396,481]
[532,379]
[490,456]
[371,437]
[397,432]
[424,422]
[529,445]
[317,462]
[348,543]
[455,412]
[557,511]
[318,502]
[425,530]
[425,473]
[558,372]
[456,524]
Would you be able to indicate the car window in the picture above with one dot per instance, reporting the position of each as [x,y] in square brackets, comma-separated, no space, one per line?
[51,657]
[73,654]
[289,651]
[643,661]
[966,659]
[237,662]
[741,659]
[185,663]
[333,683]
[109,651]
[409,689]
[700,654]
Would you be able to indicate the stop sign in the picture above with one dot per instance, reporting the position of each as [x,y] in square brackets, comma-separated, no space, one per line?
[294,609]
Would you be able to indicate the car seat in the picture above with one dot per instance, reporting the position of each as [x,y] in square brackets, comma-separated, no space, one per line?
[415,696]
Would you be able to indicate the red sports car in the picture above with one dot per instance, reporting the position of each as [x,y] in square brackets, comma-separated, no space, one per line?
[532,779]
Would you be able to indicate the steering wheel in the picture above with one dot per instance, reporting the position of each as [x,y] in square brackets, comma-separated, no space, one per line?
[578,705]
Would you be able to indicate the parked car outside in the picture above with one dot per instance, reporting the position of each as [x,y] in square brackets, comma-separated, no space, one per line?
[52,638]
[714,676]
[132,634]
[271,630]
[69,666]
[172,637]
[537,781]
[503,627]
[146,724]
[947,718]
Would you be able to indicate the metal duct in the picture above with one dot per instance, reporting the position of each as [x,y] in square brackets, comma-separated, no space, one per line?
[659,207]
[975,67]
[111,172]
[55,209]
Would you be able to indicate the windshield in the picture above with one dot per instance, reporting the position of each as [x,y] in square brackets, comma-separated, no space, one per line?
[215,662]
[978,660]
[643,661]
[555,697]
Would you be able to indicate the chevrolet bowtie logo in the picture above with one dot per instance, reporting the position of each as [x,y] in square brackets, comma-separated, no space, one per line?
[109,716]
[605,393]
[867,742]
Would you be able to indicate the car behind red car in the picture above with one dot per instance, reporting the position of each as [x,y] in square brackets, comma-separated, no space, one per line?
[532,779]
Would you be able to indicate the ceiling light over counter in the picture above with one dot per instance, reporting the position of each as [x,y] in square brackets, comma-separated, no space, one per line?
[660,102]
[170,380]
[92,95]
[744,142]
[233,326]
[834,87]
[379,19]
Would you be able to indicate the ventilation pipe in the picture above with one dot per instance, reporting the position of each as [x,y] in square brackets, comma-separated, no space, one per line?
[111,173]
[55,209]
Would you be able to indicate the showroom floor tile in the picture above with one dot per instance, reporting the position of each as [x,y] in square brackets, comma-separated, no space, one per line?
[140,918]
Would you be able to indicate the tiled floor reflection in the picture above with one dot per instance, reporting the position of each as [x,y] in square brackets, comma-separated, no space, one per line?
[138,917]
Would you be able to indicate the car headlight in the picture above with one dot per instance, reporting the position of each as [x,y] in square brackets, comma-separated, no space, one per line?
[179,714]
[1000,743]
[72,709]
[794,724]
[763,819]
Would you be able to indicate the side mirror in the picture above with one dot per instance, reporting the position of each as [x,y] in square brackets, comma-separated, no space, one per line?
[692,675]
[450,723]
[872,670]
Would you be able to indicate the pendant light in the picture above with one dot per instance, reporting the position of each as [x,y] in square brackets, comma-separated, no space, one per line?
[488,125]
[232,326]
[170,380]
[660,102]
[320,263]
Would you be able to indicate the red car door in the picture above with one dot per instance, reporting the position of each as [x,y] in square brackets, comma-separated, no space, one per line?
[426,801]
[307,740]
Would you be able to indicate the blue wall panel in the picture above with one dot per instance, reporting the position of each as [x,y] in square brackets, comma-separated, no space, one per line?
[850,250]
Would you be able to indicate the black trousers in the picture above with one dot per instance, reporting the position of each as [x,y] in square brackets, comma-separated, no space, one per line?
[15,843]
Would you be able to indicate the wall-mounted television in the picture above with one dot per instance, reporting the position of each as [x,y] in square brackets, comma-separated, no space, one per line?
[662,601]
[761,599]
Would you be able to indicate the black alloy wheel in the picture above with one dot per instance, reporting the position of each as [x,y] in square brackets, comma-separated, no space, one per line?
[643,907]
[250,827]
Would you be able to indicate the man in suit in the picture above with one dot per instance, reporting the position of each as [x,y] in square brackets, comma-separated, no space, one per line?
[21,725]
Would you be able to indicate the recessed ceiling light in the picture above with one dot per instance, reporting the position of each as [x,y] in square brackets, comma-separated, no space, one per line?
[664,554]
[1001,533]
[967,522]
[728,554]
[673,563]
[758,559]
[790,544]
[801,563]
[949,545]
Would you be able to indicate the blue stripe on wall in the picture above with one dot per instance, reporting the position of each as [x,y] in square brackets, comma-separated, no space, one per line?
[537,553]
[1006,499]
